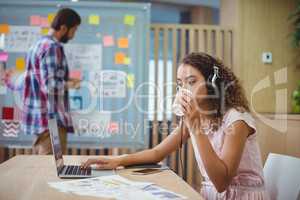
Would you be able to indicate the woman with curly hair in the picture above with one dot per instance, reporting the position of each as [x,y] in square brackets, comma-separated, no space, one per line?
[217,119]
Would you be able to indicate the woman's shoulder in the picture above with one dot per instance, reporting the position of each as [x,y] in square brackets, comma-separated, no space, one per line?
[238,114]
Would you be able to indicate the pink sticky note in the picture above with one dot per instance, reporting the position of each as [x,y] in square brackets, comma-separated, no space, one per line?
[3,57]
[35,20]
[108,41]
[44,22]
[75,74]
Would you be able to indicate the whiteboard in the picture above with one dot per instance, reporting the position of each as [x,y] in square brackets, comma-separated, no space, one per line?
[110,42]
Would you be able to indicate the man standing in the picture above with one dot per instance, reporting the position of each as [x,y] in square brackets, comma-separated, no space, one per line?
[46,83]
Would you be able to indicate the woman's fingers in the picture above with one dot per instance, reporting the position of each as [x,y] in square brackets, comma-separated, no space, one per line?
[93,161]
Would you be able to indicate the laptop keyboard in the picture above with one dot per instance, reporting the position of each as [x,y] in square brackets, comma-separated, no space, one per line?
[76,170]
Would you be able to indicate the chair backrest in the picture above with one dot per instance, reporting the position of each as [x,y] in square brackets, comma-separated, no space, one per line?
[282,177]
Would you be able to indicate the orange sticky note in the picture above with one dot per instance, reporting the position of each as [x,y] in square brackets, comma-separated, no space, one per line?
[123,42]
[119,58]
[20,64]
[4,28]
[108,41]
[50,17]
[35,20]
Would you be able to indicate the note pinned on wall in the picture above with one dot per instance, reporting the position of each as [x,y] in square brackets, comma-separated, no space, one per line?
[21,38]
[20,64]
[35,20]
[3,57]
[110,83]
[129,20]
[44,31]
[108,41]
[130,80]
[4,28]
[84,56]
[3,89]
[127,61]
[94,19]
[76,74]
[8,113]
[50,17]
[44,22]
[123,42]
[119,58]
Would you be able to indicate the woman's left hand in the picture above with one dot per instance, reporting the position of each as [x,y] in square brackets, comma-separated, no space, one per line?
[191,110]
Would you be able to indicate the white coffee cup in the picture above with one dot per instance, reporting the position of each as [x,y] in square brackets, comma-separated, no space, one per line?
[177,107]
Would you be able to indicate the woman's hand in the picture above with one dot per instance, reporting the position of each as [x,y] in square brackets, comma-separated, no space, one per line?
[103,162]
[192,115]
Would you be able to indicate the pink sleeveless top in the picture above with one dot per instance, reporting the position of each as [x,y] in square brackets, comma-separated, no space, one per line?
[249,181]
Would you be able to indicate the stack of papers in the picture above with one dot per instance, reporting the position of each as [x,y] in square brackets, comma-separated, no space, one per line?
[115,187]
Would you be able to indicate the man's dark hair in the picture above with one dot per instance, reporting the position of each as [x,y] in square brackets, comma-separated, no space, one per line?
[67,17]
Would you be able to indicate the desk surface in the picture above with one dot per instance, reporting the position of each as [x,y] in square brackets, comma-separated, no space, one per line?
[26,177]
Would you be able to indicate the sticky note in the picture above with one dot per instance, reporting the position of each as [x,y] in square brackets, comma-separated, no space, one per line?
[44,31]
[35,20]
[8,113]
[3,57]
[3,89]
[4,28]
[119,58]
[94,19]
[130,80]
[44,22]
[127,61]
[123,42]
[129,20]
[113,127]
[108,41]
[20,64]
[17,113]
[75,74]
[50,17]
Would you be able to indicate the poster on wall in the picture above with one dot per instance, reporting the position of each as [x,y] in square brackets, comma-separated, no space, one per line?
[110,83]
[21,38]
[84,56]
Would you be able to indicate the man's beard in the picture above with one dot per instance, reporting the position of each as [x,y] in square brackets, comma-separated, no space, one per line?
[64,39]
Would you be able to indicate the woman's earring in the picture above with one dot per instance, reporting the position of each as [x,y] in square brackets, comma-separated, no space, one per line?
[215,76]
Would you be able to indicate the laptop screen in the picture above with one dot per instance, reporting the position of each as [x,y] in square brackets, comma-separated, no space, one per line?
[55,141]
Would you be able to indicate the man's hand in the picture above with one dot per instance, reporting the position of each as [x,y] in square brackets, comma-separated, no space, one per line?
[74,83]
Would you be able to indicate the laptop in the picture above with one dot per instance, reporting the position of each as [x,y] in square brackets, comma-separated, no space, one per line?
[69,171]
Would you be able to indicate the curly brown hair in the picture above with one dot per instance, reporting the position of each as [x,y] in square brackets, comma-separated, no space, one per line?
[228,87]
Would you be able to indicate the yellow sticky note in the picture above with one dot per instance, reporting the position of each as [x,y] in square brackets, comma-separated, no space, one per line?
[123,42]
[94,19]
[4,28]
[130,80]
[129,20]
[20,64]
[44,31]
[50,17]
[127,61]
[119,58]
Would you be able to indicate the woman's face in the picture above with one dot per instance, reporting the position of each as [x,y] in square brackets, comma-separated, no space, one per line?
[190,78]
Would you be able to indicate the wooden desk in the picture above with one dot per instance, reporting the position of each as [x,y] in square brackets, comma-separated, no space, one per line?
[26,177]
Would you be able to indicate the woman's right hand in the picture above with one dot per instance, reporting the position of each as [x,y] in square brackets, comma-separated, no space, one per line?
[103,162]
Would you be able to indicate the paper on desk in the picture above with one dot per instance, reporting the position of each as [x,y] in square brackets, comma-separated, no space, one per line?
[115,186]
